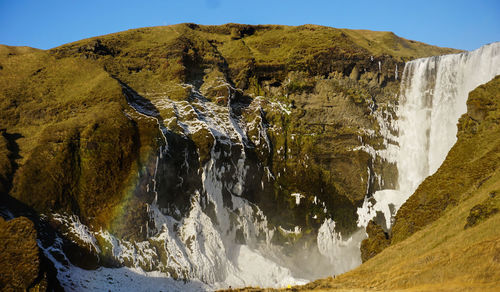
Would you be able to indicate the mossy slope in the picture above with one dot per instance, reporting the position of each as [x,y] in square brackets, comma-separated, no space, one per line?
[66,134]
[22,265]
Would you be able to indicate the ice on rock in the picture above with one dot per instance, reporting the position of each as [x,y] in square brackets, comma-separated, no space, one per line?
[344,254]
[297,197]
[197,247]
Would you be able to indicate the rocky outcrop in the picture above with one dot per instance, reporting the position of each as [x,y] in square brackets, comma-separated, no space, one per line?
[483,211]
[377,241]
[22,266]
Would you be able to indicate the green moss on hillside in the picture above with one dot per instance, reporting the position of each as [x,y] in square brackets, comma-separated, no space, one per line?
[23,267]
[76,146]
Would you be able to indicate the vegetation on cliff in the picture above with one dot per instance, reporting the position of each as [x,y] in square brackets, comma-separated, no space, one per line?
[70,142]
[22,267]
[69,139]
[447,232]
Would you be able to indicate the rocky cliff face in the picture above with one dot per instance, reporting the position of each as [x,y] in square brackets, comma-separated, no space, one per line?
[263,131]
[446,234]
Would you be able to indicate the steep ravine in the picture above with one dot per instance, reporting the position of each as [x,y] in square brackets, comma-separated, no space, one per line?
[201,152]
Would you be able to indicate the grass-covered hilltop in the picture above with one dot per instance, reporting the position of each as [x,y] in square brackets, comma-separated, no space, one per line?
[103,128]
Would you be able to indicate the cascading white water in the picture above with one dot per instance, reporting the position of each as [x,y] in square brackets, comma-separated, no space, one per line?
[433,96]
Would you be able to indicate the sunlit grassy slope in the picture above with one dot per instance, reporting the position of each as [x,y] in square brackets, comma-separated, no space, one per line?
[158,58]
[449,235]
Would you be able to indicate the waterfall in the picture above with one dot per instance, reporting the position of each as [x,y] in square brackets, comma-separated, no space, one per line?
[203,228]
[433,96]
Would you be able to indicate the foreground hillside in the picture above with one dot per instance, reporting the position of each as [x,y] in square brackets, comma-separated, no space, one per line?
[446,236]
[96,132]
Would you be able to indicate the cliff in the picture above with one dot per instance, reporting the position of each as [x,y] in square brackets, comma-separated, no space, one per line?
[445,236]
[103,128]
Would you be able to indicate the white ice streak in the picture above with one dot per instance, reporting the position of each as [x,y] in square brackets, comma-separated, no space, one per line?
[344,254]
[297,197]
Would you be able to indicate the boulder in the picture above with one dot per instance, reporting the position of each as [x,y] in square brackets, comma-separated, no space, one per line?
[22,265]
[377,241]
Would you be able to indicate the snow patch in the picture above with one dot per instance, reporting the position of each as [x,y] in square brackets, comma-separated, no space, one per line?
[297,197]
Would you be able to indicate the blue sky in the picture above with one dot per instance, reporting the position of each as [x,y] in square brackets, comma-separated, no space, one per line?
[45,24]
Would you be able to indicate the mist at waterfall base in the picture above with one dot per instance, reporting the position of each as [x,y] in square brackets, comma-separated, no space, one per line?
[199,243]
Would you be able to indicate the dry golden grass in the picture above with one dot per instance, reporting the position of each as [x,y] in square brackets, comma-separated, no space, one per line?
[443,255]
